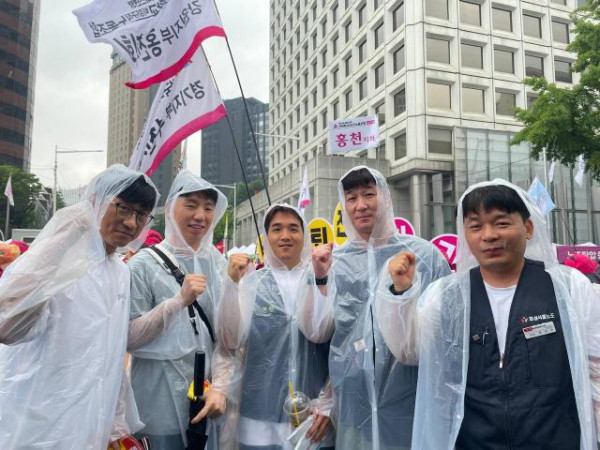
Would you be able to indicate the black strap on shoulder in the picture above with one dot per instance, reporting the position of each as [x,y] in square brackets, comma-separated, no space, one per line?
[179,276]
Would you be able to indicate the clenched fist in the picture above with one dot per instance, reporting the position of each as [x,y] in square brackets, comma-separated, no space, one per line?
[238,265]
[193,286]
[402,270]
[322,259]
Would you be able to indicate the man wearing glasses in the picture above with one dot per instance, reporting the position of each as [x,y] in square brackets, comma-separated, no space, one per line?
[64,310]
[164,331]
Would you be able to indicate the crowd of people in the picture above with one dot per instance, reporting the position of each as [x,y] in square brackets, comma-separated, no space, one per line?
[375,344]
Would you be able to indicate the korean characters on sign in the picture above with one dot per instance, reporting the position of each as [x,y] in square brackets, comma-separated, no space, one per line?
[353,134]
[404,226]
[321,232]
[339,231]
[447,244]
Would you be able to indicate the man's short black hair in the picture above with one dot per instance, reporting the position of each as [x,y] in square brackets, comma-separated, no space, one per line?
[209,194]
[284,210]
[358,178]
[139,192]
[499,197]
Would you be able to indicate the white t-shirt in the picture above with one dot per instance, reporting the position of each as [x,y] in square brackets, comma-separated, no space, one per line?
[500,301]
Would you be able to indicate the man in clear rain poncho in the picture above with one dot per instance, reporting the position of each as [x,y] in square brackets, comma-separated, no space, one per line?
[262,353]
[509,352]
[64,309]
[162,339]
[374,393]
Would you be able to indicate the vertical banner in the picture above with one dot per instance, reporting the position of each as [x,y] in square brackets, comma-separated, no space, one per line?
[348,135]
[182,106]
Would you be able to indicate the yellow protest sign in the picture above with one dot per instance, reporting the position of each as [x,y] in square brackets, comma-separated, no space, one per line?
[339,232]
[320,232]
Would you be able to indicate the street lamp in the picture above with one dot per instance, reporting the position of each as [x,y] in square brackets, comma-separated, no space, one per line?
[232,186]
[56,152]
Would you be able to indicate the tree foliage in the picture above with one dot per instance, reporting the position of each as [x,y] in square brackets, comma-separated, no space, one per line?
[566,122]
[26,188]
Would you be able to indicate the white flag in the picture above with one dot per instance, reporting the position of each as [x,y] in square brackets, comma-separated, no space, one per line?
[551,172]
[8,191]
[541,197]
[580,170]
[304,199]
[182,106]
[155,37]
[358,133]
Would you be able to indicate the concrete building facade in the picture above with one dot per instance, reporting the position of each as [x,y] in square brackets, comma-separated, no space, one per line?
[220,164]
[443,76]
[127,112]
[19,25]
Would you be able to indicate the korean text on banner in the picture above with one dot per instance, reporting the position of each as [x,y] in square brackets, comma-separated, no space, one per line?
[348,135]
[182,106]
[155,37]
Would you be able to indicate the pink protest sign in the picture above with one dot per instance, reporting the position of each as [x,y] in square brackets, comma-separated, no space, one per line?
[447,243]
[404,226]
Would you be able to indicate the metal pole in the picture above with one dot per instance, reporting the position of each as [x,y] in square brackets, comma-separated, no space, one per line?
[55,180]
[234,216]
[7,216]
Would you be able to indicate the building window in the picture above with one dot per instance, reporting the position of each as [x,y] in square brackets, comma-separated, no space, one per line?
[324,119]
[379,75]
[334,44]
[502,19]
[398,59]
[348,65]
[399,102]
[505,104]
[378,33]
[438,95]
[471,56]
[314,127]
[380,113]
[377,4]
[400,146]
[440,140]
[362,48]
[336,110]
[438,50]
[473,100]
[398,16]
[534,66]
[437,8]
[562,71]
[362,88]
[334,14]
[560,32]
[504,61]
[324,88]
[334,77]
[348,31]
[531,98]
[324,58]
[532,26]
[314,98]
[559,2]
[348,97]
[470,13]
[362,15]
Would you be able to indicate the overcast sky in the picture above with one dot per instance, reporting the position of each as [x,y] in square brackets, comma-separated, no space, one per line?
[72,80]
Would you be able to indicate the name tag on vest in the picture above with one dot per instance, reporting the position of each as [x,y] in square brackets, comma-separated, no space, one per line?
[541,329]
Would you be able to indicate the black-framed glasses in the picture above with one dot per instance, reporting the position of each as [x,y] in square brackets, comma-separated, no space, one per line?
[142,217]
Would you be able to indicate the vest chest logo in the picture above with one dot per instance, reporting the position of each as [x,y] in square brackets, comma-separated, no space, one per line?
[525,320]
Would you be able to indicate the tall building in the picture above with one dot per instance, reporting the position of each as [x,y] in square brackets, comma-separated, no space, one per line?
[443,76]
[220,163]
[127,112]
[19,24]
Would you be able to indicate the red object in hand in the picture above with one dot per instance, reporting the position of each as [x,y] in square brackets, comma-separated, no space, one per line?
[129,443]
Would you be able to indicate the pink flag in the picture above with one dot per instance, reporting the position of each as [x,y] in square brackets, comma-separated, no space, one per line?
[304,198]
[157,38]
[182,106]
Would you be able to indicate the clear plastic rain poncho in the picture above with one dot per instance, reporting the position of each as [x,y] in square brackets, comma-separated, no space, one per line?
[374,393]
[261,352]
[443,317]
[161,338]
[64,310]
